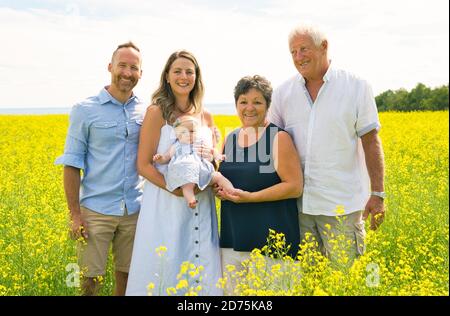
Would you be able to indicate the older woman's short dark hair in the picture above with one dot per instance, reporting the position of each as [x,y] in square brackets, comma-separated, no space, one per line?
[254,82]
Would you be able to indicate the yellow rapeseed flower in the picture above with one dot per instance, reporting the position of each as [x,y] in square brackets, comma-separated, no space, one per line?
[161,250]
[171,291]
[183,283]
[407,259]
[340,210]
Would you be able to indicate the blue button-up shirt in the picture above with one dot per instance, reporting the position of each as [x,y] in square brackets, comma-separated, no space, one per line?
[102,140]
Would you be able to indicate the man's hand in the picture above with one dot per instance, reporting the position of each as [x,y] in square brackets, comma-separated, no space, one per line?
[373,152]
[78,227]
[374,207]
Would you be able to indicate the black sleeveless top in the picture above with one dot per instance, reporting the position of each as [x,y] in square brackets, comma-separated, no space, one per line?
[245,226]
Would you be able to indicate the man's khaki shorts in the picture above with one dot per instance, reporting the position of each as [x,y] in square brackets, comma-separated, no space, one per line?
[325,229]
[102,230]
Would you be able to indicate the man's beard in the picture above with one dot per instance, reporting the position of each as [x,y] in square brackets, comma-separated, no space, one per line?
[125,87]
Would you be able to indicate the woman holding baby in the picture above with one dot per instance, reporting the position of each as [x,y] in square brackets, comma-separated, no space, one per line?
[188,231]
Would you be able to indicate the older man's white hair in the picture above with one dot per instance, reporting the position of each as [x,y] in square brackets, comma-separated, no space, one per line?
[308,29]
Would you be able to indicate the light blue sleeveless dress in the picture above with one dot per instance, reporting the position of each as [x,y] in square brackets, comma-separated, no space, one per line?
[187,167]
[189,235]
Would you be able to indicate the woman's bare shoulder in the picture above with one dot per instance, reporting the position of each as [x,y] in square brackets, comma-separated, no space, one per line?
[284,140]
[154,114]
[154,109]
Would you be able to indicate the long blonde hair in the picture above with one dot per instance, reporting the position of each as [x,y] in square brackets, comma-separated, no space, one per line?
[164,97]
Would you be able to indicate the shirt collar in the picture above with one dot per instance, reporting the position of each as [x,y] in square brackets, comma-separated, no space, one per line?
[329,74]
[104,97]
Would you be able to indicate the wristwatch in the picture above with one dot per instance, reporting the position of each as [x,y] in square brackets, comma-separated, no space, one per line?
[382,195]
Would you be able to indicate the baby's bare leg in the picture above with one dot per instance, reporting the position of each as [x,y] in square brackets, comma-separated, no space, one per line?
[188,193]
[221,181]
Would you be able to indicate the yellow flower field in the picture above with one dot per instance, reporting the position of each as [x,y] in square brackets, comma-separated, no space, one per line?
[408,255]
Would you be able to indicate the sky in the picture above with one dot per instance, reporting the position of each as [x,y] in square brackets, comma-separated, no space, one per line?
[55,53]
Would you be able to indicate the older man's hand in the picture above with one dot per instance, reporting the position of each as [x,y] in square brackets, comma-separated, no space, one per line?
[375,208]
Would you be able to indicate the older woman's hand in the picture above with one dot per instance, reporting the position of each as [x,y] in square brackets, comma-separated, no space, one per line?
[218,191]
[237,196]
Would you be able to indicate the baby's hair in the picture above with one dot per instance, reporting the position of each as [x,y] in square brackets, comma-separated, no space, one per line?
[182,120]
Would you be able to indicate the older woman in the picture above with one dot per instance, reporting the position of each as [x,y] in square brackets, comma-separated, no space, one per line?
[263,164]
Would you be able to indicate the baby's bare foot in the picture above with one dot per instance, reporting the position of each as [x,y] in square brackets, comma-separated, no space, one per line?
[193,204]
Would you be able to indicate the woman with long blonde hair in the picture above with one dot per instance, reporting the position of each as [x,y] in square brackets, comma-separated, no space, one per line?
[189,235]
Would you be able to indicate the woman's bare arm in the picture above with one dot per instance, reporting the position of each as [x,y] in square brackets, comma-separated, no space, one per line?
[287,166]
[148,145]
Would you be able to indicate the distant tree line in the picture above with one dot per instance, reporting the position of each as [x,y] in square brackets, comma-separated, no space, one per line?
[421,98]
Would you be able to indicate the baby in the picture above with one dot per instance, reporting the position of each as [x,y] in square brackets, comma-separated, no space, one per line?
[186,169]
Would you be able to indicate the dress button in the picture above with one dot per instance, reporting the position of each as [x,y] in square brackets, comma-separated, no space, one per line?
[196,256]
[196,214]
[196,241]
[196,228]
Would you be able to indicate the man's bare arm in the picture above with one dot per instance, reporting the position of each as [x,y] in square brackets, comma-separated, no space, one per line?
[374,155]
[72,180]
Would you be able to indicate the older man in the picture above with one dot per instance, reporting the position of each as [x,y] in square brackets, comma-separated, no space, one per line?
[332,116]
[102,141]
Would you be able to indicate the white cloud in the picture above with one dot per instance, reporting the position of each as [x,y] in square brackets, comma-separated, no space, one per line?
[55,58]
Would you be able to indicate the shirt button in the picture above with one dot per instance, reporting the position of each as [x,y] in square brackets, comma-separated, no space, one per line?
[196,241]
[196,256]
[196,214]
[196,228]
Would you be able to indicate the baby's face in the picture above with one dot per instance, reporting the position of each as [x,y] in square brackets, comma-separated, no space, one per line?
[186,132]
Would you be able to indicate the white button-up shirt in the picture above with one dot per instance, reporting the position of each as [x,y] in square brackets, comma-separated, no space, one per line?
[327,135]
